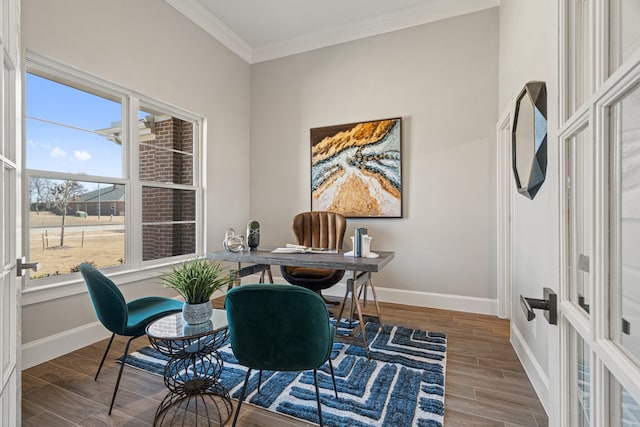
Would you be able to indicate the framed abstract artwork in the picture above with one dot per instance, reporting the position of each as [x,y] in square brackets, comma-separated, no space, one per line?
[356,169]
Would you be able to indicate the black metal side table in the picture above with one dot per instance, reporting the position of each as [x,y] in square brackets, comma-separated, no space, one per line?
[195,397]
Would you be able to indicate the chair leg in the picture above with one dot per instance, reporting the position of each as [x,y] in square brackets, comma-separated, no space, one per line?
[104,357]
[259,380]
[241,398]
[315,381]
[124,359]
[333,378]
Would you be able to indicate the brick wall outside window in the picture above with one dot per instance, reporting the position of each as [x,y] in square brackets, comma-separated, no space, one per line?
[168,159]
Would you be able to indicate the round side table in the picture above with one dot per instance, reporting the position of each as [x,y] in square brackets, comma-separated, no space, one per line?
[195,397]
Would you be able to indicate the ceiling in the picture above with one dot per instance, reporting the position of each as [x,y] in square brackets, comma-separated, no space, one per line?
[261,30]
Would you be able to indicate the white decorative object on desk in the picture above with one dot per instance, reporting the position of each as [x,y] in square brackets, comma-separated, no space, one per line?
[366,245]
[369,255]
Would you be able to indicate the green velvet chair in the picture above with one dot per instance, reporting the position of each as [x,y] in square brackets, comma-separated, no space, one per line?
[129,319]
[279,328]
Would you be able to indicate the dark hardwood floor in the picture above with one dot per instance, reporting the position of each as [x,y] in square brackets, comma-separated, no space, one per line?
[485,383]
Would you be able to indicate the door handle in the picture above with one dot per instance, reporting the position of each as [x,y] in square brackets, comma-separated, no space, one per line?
[22,265]
[549,304]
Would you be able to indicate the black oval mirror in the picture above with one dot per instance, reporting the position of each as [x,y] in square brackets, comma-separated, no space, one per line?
[529,139]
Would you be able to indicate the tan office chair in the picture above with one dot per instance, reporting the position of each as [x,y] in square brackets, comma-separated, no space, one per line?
[317,229]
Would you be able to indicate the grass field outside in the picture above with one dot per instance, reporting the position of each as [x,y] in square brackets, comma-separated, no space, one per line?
[85,241]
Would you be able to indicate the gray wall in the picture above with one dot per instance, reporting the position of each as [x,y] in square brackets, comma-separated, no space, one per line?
[442,78]
[149,47]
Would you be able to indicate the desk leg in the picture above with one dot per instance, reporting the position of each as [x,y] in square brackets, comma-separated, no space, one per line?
[363,288]
[240,272]
[238,276]
[363,330]
[375,300]
[355,287]
[351,284]
[267,269]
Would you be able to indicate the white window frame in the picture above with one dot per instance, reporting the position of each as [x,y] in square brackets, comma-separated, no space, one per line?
[135,268]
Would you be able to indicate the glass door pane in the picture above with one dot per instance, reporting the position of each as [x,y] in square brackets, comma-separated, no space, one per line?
[625,410]
[625,223]
[580,366]
[577,62]
[579,220]
[624,31]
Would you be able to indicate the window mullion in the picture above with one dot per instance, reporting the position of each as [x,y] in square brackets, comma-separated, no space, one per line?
[130,121]
[200,155]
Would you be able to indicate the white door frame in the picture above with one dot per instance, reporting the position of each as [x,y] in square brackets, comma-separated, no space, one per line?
[504,194]
[10,211]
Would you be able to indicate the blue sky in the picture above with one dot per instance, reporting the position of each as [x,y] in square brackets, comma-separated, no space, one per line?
[64,149]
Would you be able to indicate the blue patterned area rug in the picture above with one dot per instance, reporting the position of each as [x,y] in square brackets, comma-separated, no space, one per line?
[403,384]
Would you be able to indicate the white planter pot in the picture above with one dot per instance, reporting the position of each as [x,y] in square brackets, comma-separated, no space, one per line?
[197,313]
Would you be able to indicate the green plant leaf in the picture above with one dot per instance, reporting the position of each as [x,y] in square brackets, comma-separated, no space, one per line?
[196,280]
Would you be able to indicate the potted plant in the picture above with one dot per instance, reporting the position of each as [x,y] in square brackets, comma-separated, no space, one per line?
[196,281]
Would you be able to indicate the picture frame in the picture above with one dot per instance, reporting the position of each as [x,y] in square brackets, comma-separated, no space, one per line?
[356,169]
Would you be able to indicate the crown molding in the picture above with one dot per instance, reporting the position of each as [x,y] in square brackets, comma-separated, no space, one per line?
[426,12]
[422,14]
[206,20]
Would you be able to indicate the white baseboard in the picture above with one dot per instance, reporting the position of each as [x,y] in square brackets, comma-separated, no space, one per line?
[411,297]
[536,374]
[53,346]
[426,299]
[48,348]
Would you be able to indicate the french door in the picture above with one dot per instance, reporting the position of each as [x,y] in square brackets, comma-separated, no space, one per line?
[599,159]
[10,213]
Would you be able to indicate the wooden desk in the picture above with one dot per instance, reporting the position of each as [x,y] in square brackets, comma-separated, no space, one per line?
[361,269]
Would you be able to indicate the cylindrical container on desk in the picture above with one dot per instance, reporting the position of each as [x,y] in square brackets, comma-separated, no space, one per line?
[357,243]
[253,234]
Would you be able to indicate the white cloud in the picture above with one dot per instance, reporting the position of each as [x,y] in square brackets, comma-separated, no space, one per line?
[38,144]
[81,155]
[57,152]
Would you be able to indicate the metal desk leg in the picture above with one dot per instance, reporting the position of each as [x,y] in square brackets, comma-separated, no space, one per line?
[362,279]
[369,283]
[344,303]
[363,288]
[362,325]
[351,283]
[267,269]
[238,276]
[375,300]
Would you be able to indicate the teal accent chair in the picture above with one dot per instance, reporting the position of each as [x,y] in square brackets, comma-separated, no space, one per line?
[129,319]
[279,328]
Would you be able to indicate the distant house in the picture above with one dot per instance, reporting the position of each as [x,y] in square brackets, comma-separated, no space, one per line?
[103,201]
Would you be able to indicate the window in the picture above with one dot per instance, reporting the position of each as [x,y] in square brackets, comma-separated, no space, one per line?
[113,177]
